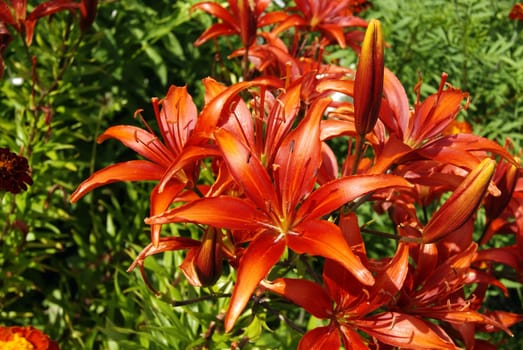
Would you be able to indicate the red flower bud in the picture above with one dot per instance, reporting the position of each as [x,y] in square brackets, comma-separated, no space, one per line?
[462,204]
[368,86]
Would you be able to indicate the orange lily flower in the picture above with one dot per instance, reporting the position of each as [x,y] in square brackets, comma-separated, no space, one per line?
[424,295]
[176,116]
[352,308]
[328,17]
[419,134]
[280,208]
[243,18]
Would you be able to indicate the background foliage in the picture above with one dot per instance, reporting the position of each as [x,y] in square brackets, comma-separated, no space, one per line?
[62,267]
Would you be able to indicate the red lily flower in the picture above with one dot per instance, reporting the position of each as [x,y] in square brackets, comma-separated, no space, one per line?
[425,295]
[25,23]
[351,307]
[284,213]
[243,18]
[420,133]
[328,17]
[168,162]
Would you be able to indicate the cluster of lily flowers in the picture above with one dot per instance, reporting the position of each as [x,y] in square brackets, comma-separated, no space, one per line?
[279,184]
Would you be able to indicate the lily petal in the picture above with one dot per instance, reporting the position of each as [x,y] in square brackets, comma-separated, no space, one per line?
[216,30]
[223,212]
[299,157]
[320,338]
[323,238]
[306,294]
[405,331]
[390,281]
[164,245]
[396,99]
[160,201]
[190,155]
[352,339]
[216,10]
[257,260]
[219,107]
[142,142]
[134,170]
[246,169]
[336,193]
[177,117]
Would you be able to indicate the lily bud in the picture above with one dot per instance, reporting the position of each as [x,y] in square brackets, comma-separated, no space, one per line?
[461,204]
[203,265]
[368,85]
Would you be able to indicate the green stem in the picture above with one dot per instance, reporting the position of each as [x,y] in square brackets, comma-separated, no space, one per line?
[175,303]
[392,236]
[360,141]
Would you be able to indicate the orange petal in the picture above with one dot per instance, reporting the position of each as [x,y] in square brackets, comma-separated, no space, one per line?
[390,280]
[219,107]
[405,331]
[352,339]
[222,212]
[246,169]
[336,193]
[320,338]
[299,157]
[306,294]
[323,238]
[164,245]
[142,142]
[160,201]
[177,118]
[397,118]
[134,170]
[257,260]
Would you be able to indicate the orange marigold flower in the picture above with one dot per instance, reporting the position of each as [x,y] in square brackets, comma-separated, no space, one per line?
[14,172]
[25,338]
